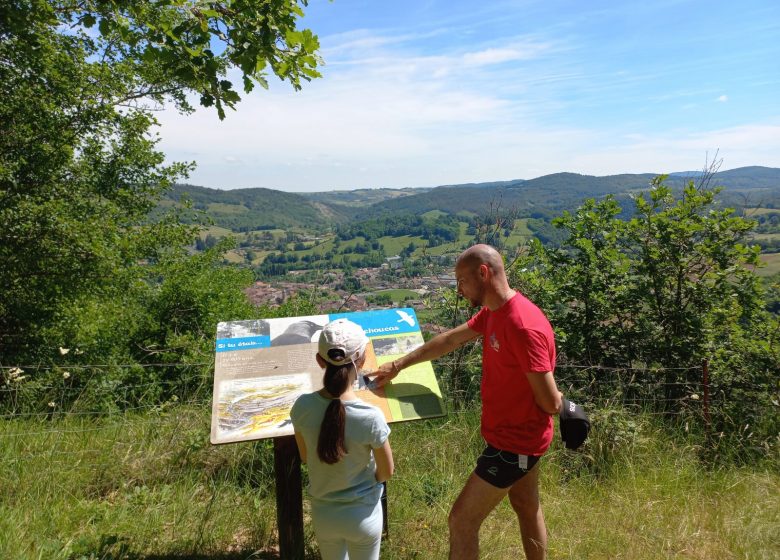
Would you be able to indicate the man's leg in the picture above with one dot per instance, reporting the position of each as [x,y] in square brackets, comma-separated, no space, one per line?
[476,501]
[524,497]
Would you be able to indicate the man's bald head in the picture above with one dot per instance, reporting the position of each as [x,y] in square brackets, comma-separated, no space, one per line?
[477,255]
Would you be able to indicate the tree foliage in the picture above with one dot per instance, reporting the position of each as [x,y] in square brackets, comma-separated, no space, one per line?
[168,48]
[669,287]
[80,262]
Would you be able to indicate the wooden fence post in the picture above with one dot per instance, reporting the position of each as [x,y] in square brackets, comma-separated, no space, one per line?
[705,371]
[289,498]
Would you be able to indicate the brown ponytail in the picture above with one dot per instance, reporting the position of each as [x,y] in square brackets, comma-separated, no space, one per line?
[330,445]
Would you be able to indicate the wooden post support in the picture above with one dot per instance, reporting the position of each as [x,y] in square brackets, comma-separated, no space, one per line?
[705,374]
[289,498]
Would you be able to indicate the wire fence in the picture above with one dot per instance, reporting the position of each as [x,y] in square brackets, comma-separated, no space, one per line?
[83,413]
[663,392]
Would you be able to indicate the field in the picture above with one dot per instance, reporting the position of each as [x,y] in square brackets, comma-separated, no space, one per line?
[399,296]
[217,231]
[454,247]
[391,245]
[394,245]
[752,212]
[149,485]
[772,262]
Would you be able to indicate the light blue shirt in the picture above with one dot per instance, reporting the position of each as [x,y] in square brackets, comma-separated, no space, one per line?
[353,477]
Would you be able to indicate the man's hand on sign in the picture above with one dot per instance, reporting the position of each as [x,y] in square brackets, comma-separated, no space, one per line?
[384,374]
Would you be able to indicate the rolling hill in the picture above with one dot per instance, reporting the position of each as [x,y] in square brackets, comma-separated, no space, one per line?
[258,208]
[250,209]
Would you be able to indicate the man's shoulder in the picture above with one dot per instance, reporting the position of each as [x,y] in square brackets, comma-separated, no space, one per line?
[530,324]
[527,313]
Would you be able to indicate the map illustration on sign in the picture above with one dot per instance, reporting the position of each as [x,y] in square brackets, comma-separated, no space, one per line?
[262,366]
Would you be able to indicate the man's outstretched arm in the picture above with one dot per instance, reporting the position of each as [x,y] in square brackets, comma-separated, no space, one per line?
[436,347]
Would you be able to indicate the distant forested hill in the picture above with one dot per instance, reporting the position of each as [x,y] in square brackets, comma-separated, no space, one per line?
[362,197]
[551,194]
[548,193]
[247,209]
[250,209]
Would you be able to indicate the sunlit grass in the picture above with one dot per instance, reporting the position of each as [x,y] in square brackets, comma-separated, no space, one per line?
[772,264]
[142,485]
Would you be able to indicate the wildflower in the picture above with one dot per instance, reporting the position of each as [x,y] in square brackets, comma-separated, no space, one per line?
[64,351]
[65,374]
[51,404]
[15,375]
[78,352]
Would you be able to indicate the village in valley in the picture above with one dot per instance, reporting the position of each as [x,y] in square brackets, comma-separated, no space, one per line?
[372,288]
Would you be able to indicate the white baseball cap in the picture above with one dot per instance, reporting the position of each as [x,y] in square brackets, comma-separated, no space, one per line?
[344,335]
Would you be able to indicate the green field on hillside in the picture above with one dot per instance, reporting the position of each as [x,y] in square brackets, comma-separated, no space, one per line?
[394,245]
[751,212]
[227,209]
[399,295]
[455,246]
[766,236]
[772,261]
[218,232]
[327,244]
[520,233]
[235,257]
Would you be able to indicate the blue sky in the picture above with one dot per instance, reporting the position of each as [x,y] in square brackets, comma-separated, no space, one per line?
[428,93]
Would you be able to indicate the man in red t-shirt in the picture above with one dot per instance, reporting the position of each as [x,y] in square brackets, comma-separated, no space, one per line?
[519,398]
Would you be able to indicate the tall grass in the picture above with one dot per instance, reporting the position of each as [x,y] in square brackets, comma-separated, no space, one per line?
[151,486]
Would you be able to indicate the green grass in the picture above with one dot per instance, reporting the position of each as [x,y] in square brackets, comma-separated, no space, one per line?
[328,244]
[227,209]
[234,257]
[520,233]
[394,245]
[455,246]
[399,295]
[766,236]
[772,262]
[150,485]
[751,212]
[217,231]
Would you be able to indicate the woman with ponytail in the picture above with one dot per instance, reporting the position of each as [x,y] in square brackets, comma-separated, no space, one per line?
[344,442]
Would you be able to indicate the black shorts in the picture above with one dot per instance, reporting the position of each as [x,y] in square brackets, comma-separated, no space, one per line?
[502,468]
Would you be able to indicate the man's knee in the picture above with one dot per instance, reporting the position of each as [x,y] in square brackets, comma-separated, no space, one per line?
[461,521]
[524,503]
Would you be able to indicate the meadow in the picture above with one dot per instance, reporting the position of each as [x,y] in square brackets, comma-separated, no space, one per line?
[148,485]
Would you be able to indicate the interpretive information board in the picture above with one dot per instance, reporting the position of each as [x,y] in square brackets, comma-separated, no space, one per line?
[263,365]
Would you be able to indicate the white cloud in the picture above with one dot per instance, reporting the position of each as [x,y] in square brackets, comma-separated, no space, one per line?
[723,98]
[739,146]
[499,55]
[385,115]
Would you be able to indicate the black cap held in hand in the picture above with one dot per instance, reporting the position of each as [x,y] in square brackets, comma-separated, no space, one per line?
[575,424]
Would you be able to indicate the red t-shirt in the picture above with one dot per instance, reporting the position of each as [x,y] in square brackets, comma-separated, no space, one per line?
[517,340]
